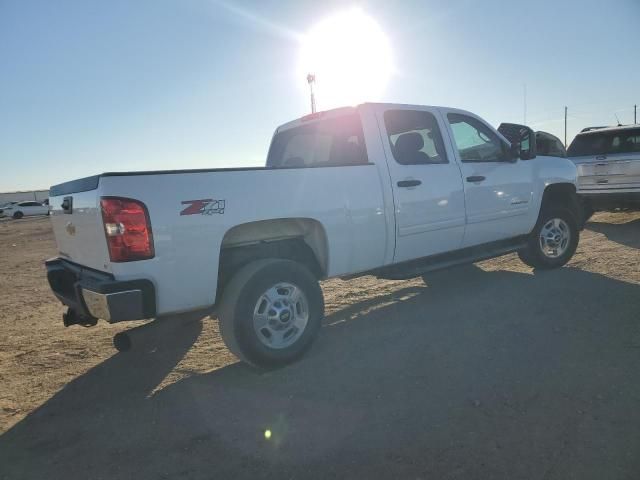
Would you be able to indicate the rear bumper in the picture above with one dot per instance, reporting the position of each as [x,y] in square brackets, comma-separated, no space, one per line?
[611,199]
[97,295]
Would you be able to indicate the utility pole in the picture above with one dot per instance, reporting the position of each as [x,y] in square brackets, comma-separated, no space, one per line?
[525,104]
[565,127]
[311,79]
[635,114]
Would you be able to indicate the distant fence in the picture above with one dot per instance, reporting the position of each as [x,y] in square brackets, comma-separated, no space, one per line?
[35,195]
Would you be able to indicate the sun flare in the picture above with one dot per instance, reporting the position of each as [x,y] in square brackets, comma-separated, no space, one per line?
[350,56]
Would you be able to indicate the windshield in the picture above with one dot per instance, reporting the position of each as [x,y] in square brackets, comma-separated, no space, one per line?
[550,146]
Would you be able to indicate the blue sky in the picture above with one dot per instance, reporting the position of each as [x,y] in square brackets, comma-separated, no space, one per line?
[91,86]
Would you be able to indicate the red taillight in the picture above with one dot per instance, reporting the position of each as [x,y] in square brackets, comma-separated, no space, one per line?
[128,229]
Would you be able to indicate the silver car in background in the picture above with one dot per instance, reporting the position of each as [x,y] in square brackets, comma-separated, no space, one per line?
[608,162]
[18,210]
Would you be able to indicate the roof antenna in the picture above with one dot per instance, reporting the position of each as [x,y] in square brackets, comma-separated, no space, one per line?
[619,124]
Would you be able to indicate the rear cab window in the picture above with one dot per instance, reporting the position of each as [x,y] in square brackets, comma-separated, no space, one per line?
[337,141]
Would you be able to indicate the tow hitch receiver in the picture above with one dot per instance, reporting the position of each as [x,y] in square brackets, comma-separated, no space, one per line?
[71,317]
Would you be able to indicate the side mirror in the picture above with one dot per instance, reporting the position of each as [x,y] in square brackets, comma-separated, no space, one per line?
[522,139]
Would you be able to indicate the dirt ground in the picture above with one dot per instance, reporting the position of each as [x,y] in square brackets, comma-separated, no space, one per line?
[489,371]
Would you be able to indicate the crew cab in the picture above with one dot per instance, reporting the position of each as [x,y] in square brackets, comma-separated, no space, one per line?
[608,162]
[389,190]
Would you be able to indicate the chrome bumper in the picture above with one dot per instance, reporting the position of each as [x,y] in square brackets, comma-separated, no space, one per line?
[95,294]
[114,306]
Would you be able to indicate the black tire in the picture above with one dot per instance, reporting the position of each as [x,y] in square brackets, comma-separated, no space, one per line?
[525,258]
[18,215]
[534,255]
[240,297]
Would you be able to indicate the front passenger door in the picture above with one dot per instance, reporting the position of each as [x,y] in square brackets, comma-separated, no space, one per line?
[498,191]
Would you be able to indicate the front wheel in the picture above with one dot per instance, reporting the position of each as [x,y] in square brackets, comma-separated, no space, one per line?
[553,240]
[270,312]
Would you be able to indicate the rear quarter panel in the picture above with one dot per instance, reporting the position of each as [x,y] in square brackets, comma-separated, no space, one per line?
[347,201]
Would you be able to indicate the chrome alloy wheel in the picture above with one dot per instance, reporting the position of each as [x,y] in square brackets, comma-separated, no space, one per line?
[281,315]
[555,236]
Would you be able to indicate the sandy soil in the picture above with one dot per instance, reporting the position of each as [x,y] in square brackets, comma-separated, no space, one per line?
[490,371]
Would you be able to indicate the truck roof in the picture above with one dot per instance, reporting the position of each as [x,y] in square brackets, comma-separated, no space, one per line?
[617,128]
[336,112]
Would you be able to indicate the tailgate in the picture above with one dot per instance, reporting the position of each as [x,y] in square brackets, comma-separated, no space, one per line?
[78,228]
[609,172]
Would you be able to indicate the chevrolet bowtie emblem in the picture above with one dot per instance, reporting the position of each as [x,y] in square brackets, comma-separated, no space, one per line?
[70,228]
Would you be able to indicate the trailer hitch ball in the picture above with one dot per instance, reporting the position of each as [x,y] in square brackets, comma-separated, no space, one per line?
[71,317]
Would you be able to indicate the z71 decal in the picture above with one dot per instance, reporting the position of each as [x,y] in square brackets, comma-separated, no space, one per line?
[205,206]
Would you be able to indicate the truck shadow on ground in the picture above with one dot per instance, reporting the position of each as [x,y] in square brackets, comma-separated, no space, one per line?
[477,375]
[623,233]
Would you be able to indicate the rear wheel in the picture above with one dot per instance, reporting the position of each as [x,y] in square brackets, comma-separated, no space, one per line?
[18,215]
[270,312]
[553,240]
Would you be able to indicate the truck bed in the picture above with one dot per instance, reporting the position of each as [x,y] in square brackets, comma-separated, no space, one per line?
[190,228]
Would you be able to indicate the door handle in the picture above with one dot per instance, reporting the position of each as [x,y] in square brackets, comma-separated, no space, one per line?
[476,178]
[409,183]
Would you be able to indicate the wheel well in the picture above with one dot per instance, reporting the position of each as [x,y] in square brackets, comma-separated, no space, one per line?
[299,239]
[563,194]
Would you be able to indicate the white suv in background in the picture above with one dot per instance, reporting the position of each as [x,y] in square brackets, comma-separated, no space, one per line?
[24,209]
[608,162]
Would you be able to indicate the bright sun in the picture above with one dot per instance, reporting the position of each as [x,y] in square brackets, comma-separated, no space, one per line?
[350,56]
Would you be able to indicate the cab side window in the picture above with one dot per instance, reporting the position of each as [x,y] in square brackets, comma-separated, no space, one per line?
[475,141]
[414,137]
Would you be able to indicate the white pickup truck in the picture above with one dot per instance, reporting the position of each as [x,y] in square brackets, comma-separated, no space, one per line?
[383,189]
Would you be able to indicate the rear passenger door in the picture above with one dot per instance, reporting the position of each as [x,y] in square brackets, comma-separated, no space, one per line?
[427,187]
